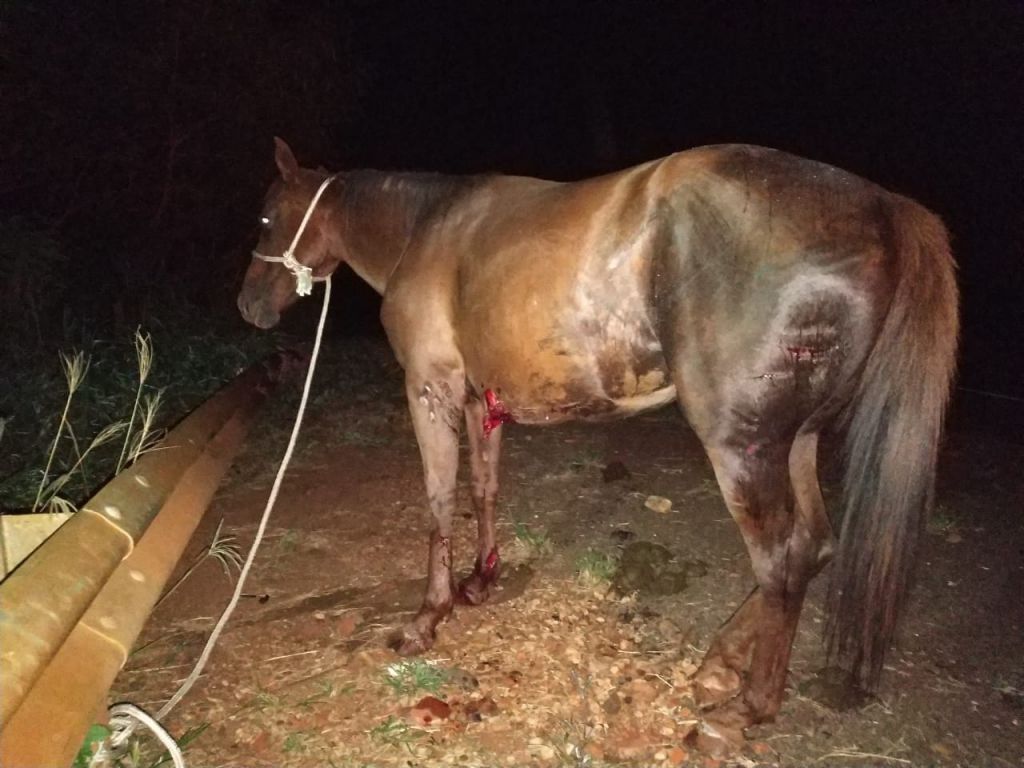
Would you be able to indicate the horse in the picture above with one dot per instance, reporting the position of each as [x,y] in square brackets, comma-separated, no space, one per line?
[772,296]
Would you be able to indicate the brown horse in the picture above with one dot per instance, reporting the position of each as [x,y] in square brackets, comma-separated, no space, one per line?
[772,296]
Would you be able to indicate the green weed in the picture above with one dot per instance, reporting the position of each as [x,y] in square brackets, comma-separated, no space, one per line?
[133,755]
[324,690]
[943,521]
[594,567]
[586,459]
[536,542]
[184,741]
[412,675]
[394,733]
[95,736]
[297,742]
[49,412]
[223,549]
[266,700]
[288,542]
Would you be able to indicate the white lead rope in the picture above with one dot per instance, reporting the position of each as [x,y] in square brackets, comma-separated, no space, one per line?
[125,717]
[243,574]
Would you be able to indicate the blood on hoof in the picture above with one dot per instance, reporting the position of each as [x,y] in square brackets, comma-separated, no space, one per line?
[419,634]
[496,414]
[411,641]
[476,588]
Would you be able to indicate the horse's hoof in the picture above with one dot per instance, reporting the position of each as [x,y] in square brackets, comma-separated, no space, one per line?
[473,590]
[410,641]
[715,683]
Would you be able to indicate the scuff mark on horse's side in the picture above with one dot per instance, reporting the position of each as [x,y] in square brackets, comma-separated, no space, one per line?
[804,354]
[441,398]
[427,401]
[445,545]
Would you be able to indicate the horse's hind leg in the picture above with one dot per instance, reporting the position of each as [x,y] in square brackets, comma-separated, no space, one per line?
[484,456]
[774,497]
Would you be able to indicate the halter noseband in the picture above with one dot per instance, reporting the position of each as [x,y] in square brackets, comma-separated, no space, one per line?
[304,278]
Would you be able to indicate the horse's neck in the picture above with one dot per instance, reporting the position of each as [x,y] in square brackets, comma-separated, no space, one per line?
[380,215]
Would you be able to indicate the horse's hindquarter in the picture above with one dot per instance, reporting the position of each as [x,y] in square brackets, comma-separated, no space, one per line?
[776,284]
[554,307]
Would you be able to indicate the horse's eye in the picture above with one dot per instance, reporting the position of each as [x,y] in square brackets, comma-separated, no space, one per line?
[265,222]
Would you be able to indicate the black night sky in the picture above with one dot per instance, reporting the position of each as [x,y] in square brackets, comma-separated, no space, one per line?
[137,135]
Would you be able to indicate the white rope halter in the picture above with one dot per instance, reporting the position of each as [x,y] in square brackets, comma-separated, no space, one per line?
[304,278]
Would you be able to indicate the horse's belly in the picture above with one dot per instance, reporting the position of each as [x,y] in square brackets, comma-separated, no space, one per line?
[552,385]
[595,408]
[571,338]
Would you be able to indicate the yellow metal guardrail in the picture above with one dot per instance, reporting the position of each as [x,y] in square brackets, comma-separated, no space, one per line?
[71,612]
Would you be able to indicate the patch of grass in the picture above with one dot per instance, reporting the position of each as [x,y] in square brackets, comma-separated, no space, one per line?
[296,743]
[412,675]
[943,521]
[149,382]
[184,741]
[223,549]
[1011,694]
[95,736]
[324,689]
[285,544]
[289,542]
[595,567]
[50,493]
[535,542]
[394,732]
[587,459]
[134,755]
[146,437]
[266,700]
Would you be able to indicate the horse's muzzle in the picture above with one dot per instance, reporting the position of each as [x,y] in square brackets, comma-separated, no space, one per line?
[257,312]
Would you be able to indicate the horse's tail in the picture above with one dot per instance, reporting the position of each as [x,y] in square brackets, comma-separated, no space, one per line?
[892,443]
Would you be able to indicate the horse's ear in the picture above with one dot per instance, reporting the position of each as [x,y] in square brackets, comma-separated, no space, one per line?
[285,160]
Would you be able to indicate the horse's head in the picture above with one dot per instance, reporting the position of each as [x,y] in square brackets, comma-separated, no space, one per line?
[270,286]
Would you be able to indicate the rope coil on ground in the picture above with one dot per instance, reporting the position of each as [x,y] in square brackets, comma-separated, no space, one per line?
[124,718]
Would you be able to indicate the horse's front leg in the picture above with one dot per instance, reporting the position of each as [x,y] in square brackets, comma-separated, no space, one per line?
[484,455]
[436,399]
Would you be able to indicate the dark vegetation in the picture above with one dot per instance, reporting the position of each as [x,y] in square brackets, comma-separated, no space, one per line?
[128,199]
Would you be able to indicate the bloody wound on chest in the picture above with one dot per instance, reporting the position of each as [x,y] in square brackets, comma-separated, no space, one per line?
[496,414]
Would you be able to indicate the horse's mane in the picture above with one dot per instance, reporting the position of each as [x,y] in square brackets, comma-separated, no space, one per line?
[421,195]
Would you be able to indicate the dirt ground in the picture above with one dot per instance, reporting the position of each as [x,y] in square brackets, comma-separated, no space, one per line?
[585,656]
